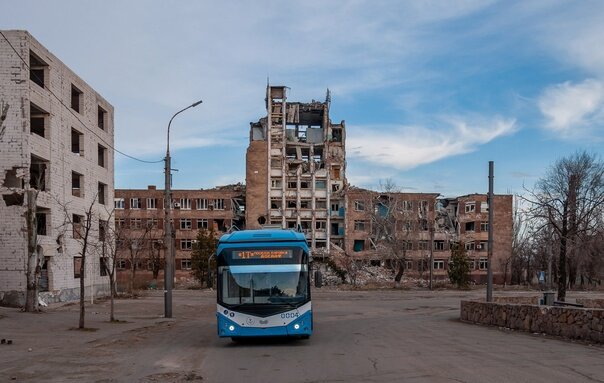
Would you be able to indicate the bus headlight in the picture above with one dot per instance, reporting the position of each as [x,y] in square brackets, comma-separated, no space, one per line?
[232,328]
[297,326]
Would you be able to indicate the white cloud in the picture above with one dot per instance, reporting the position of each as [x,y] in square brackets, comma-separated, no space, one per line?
[572,108]
[406,147]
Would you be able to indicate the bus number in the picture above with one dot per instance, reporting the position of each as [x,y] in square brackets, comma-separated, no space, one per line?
[289,315]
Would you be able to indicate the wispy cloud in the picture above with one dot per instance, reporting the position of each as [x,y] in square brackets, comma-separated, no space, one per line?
[406,147]
[572,109]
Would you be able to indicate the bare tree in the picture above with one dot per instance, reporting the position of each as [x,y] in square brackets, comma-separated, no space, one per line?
[82,229]
[569,198]
[388,210]
[110,236]
[34,267]
[135,240]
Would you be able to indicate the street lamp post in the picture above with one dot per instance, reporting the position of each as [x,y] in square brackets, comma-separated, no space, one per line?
[169,253]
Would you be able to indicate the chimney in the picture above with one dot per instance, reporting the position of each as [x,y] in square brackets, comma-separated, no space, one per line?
[151,187]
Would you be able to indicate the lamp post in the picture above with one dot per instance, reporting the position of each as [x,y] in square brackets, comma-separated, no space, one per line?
[169,253]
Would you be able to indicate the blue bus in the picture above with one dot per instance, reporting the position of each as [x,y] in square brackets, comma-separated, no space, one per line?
[263,284]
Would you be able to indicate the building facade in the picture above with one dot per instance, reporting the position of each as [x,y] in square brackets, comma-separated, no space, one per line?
[56,150]
[296,170]
[140,214]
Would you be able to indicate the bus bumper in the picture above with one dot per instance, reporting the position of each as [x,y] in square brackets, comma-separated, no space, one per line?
[301,326]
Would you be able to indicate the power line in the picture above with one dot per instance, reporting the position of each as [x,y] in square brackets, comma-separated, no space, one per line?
[70,111]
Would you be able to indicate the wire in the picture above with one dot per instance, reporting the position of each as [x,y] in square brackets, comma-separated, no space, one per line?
[75,115]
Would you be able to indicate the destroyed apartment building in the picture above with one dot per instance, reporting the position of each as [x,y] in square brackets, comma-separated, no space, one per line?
[55,164]
[296,170]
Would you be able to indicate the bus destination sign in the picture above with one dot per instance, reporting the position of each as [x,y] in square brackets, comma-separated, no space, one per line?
[263,254]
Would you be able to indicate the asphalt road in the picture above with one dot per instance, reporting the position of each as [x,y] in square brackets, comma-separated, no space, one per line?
[360,336]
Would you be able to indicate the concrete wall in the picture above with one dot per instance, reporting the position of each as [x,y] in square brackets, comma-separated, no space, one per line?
[18,146]
[574,323]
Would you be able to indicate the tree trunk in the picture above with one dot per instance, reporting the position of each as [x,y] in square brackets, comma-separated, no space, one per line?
[33,265]
[82,288]
[400,272]
[562,267]
[112,311]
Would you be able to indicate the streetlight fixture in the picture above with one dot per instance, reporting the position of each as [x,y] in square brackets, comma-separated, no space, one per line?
[169,253]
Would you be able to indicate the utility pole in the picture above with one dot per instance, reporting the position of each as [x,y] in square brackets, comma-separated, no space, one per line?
[431,252]
[169,253]
[490,250]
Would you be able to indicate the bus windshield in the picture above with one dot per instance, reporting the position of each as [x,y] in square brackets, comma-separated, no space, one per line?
[273,284]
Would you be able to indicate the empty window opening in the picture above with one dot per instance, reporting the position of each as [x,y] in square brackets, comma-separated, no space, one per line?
[77,223]
[275,203]
[336,134]
[291,224]
[77,184]
[317,155]
[292,184]
[320,244]
[276,184]
[359,225]
[38,121]
[305,204]
[335,229]
[101,118]
[305,152]
[359,205]
[439,245]
[102,193]
[320,225]
[77,265]
[304,184]
[335,187]
[37,69]
[359,245]
[291,204]
[469,226]
[41,222]
[77,142]
[37,173]
[76,99]
[335,172]
[276,163]
[102,156]
[291,153]
[321,204]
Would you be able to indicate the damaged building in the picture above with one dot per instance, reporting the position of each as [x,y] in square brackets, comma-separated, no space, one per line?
[140,214]
[55,136]
[296,170]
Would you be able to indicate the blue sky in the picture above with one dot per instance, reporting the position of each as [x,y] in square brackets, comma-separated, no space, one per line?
[430,90]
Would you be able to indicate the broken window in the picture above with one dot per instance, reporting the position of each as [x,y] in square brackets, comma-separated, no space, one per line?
[305,226]
[37,69]
[276,184]
[317,155]
[37,173]
[305,152]
[118,203]
[470,207]
[423,224]
[320,225]
[291,153]
[291,204]
[335,187]
[304,184]
[305,204]
[321,204]
[202,223]
[359,205]
[102,156]
[469,226]
[77,184]
[334,229]
[219,204]
[291,224]
[292,184]
[76,98]
[38,121]
[275,203]
[186,224]
[359,225]
[102,193]
[101,118]
[422,245]
[439,245]
[77,142]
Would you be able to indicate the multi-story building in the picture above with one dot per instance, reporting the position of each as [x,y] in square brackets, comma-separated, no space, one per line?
[296,170]
[55,142]
[416,225]
[140,214]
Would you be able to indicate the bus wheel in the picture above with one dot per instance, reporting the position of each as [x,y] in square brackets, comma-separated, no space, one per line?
[236,339]
[304,336]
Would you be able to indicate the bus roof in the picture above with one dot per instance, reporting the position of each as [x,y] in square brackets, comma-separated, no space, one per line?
[262,236]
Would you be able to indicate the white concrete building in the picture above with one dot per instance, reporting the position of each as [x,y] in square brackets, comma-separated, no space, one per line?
[57,137]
